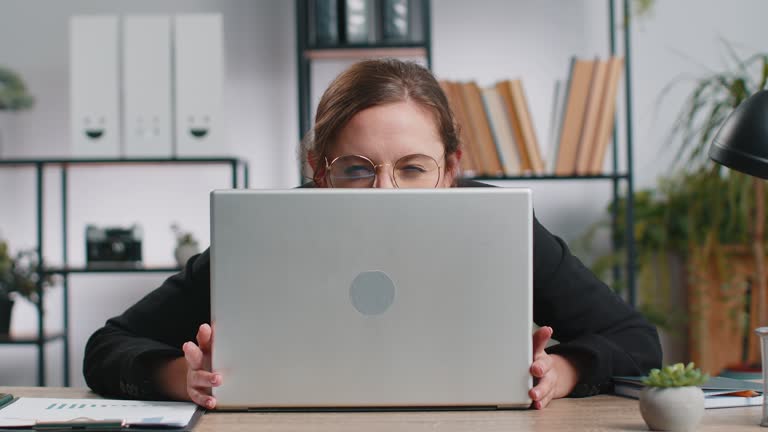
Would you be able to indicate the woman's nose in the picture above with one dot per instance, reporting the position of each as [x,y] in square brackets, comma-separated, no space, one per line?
[384,180]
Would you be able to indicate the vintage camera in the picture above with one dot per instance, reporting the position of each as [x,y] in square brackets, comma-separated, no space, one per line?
[113,247]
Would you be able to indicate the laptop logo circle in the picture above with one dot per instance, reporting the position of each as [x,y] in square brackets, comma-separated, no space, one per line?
[372,292]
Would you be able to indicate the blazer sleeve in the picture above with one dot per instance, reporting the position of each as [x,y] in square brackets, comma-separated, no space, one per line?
[601,333]
[121,357]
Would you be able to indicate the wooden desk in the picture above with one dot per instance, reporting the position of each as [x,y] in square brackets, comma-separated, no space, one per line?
[599,413]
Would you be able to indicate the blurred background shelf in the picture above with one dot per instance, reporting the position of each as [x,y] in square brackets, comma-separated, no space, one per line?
[239,177]
[31,338]
[74,270]
[617,176]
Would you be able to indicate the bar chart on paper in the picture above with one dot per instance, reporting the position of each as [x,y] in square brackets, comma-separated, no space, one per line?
[26,412]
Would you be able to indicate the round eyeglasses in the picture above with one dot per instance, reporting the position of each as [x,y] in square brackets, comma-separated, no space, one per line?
[409,172]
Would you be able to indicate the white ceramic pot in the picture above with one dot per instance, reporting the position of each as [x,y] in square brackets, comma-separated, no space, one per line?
[673,408]
[184,252]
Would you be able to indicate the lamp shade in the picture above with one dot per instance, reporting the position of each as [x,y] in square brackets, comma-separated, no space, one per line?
[742,142]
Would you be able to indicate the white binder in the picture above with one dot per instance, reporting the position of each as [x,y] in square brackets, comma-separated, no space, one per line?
[94,113]
[198,78]
[146,65]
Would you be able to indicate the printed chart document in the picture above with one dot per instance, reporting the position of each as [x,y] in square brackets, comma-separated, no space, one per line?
[28,412]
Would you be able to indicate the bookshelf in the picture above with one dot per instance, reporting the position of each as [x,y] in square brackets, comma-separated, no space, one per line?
[306,53]
[417,45]
[239,175]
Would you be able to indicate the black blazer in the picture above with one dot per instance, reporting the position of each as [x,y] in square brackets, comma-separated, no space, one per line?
[601,333]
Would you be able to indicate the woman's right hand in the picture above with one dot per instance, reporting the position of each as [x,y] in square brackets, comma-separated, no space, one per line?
[200,380]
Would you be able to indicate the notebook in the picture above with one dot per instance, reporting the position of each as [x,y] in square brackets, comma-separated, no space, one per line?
[64,414]
[719,392]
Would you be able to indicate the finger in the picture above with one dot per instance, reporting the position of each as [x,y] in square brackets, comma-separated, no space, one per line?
[201,398]
[544,388]
[204,336]
[193,355]
[202,378]
[545,402]
[540,339]
[541,366]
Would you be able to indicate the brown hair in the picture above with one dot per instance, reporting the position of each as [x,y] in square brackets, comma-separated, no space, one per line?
[371,83]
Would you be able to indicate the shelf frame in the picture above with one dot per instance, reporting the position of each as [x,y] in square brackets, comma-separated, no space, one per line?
[239,170]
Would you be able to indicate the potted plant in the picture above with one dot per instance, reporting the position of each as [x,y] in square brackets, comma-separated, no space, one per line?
[672,399]
[18,278]
[707,221]
[186,245]
[14,97]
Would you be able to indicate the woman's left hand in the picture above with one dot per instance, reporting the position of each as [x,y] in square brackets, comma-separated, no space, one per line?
[554,376]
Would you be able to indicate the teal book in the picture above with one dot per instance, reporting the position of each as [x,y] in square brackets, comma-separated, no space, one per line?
[326,22]
[719,392]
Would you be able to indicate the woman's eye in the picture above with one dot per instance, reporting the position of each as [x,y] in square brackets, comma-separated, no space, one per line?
[413,169]
[358,171]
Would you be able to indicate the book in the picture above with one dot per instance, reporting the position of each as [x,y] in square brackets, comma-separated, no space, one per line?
[395,20]
[502,131]
[358,17]
[526,165]
[719,392]
[326,22]
[606,120]
[523,113]
[555,120]
[573,121]
[452,90]
[589,129]
[481,130]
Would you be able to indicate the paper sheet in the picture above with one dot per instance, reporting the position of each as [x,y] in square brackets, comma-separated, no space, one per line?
[26,411]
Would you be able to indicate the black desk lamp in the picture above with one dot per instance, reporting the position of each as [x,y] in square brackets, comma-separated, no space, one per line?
[742,144]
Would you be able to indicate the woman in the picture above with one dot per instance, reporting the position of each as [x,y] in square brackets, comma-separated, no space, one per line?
[381,123]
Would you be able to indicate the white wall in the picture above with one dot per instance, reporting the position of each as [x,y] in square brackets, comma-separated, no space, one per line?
[485,40]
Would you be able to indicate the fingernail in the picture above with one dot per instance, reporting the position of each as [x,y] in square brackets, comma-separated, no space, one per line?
[216,379]
[535,395]
[211,403]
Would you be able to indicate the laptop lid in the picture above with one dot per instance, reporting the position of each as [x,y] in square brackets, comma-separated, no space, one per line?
[372,298]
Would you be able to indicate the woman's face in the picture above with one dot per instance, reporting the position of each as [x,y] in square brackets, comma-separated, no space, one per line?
[386,134]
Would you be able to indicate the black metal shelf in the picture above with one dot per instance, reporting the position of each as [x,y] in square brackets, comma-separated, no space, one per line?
[31,339]
[360,53]
[85,161]
[367,46]
[74,270]
[63,165]
[549,177]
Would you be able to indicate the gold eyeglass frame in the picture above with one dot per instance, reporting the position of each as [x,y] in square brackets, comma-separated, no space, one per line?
[376,166]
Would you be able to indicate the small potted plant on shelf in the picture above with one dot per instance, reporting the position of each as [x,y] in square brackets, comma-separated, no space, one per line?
[186,245]
[18,278]
[672,399]
[14,97]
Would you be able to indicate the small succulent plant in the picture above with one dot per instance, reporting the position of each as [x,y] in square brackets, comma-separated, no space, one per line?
[183,237]
[676,375]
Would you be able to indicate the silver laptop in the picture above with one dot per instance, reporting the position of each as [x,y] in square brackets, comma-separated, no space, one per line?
[371,298]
